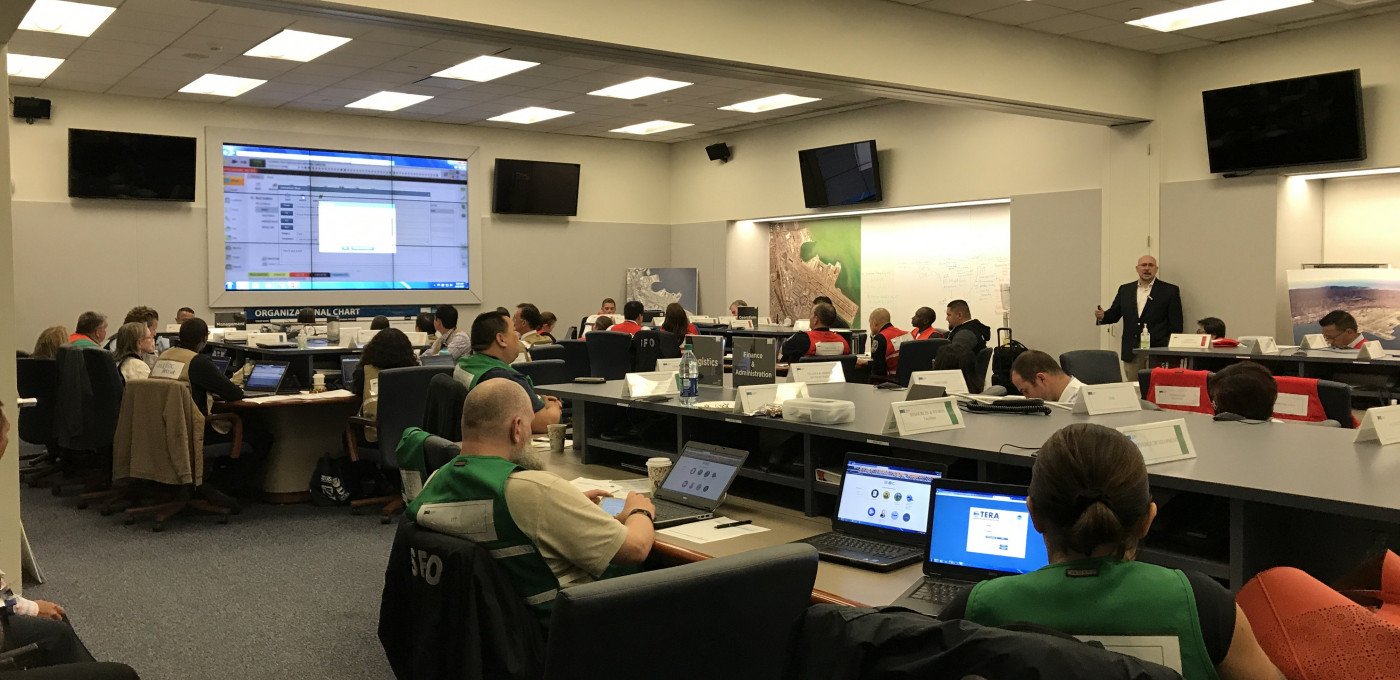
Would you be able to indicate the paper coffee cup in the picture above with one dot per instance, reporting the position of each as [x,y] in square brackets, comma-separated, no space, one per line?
[656,470]
[556,437]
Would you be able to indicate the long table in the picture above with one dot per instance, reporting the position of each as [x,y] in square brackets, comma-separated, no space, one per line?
[1376,378]
[1298,495]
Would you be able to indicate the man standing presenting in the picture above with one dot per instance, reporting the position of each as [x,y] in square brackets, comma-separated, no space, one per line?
[1149,302]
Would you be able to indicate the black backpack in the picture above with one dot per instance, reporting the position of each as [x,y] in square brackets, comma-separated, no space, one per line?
[1003,356]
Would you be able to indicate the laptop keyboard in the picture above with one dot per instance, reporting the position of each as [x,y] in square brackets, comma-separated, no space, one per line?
[668,510]
[937,592]
[835,542]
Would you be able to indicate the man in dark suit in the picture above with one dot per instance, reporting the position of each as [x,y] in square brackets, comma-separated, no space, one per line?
[1149,301]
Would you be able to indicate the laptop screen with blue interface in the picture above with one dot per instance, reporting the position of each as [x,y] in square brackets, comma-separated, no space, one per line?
[989,531]
[885,496]
[266,377]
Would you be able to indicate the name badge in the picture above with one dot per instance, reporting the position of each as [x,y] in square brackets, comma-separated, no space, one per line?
[1097,400]
[650,384]
[817,372]
[167,369]
[1380,424]
[668,365]
[751,398]
[952,381]
[374,388]
[924,415]
[1170,395]
[1371,349]
[1258,344]
[1188,341]
[1161,442]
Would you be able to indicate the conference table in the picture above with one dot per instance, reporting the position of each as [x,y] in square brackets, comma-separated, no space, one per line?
[1368,377]
[1297,495]
[304,427]
[303,362]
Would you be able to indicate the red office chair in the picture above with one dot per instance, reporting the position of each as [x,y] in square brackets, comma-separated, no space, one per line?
[1179,378]
[1327,400]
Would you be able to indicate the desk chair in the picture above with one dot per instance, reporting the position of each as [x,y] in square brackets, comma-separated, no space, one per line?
[442,409]
[87,402]
[546,371]
[576,358]
[916,355]
[749,632]
[983,367]
[644,350]
[38,379]
[848,365]
[1092,366]
[403,396]
[551,351]
[1177,377]
[609,354]
[1327,400]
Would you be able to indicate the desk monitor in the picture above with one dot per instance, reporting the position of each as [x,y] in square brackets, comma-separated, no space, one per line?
[981,531]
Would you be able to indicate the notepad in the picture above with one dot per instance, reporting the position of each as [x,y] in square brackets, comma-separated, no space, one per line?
[705,531]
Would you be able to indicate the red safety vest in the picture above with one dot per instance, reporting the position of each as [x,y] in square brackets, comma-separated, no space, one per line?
[628,327]
[824,335]
[891,352]
[1181,377]
[926,333]
[1291,384]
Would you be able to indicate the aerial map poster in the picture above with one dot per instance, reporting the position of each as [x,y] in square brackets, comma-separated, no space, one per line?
[656,287]
[1371,295]
[811,258]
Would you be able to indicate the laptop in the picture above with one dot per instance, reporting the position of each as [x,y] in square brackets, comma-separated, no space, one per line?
[221,363]
[977,532]
[348,364]
[881,515]
[696,484]
[265,379]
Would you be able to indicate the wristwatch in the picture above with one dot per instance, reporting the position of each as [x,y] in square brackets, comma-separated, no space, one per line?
[643,511]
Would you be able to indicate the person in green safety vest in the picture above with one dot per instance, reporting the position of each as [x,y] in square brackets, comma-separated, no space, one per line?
[495,344]
[1090,500]
[542,531]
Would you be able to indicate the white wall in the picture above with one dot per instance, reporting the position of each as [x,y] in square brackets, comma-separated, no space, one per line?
[1055,232]
[9,464]
[111,255]
[702,246]
[1361,219]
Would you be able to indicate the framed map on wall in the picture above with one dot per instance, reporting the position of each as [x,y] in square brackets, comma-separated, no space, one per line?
[656,287]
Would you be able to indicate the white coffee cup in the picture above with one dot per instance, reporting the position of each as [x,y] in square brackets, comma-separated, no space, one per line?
[556,437]
[318,380]
[657,468]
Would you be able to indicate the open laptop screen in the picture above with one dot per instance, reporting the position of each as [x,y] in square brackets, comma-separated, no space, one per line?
[886,496]
[266,377]
[701,474]
[985,531]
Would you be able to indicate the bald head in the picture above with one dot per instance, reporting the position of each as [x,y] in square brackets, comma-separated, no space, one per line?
[879,319]
[1146,269]
[496,419]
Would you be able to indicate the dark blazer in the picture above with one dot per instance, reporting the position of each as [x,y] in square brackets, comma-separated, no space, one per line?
[1162,314]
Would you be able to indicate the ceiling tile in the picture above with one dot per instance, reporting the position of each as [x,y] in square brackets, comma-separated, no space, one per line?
[135,88]
[131,17]
[251,17]
[1136,9]
[398,37]
[41,44]
[1159,41]
[1079,5]
[138,34]
[1219,31]
[344,29]
[104,46]
[966,7]
[1068,23]
[170,8]
[1299,13]
[215,31]
[1112,33]
[1020,13]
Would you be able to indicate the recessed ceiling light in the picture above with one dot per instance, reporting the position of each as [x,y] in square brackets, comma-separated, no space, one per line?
[388,101]
[640,87]
[221,86]
[484,68]
[652,127]
[776,101]
[529,114]
[68,18]
[25,66]
[296,45]
[1211,13]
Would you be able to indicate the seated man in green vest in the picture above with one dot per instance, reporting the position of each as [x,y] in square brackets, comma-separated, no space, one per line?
[495,344]
[542,531]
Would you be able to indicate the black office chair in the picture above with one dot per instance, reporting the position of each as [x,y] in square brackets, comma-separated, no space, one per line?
[573,333]
[438,451]
[545,371]
[609,354]
[403,397]
[671,345]
[442,408]
[747,633]
[1092,366]
[644,350]
[38,379]
[1144,378]
[983,363]
[848,366]
[1336,401]
[576,357]
[916,355]
[87,404]
[550,351]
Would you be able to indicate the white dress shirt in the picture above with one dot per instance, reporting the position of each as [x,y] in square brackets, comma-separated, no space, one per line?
[1144,293]
[1071,391]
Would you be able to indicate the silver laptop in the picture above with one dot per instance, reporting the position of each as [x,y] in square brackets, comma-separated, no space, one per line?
[265,379]
[881,518]
[977,531]
[696,484]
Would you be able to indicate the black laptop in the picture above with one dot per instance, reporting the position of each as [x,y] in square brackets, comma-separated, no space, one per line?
[881,514]
[977,531]
[696,484]
[265,379]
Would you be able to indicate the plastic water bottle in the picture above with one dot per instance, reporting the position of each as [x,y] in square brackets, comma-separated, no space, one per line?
[690,377]
[1144,338]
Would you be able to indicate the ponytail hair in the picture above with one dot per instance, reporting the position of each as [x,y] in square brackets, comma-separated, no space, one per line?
[1089,490]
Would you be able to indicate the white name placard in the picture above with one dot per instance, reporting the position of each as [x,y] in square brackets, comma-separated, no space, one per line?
[753,397]
[1291,404]
[1171,395]
[1314,341]
[672,365]
[1380,424]
[1258,344]
[1097,400]
[953,381]
[1371,350]
[901,340]
[817,372]
[924,415]
[1188,341]
[1161,442]
[650,384]
[167,369]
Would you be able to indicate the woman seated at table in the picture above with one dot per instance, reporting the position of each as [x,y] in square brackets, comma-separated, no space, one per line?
[677,322]
[46,347]
[1090,500]
[135,343]
[389,348]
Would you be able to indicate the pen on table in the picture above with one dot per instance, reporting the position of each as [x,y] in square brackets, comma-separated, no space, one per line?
[728,525]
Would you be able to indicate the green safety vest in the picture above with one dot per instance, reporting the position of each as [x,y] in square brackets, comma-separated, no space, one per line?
[1100,596]
[476,365]
[473,488]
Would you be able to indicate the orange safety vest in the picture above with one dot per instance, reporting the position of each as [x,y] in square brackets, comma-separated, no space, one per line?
[825,335]
[891,352]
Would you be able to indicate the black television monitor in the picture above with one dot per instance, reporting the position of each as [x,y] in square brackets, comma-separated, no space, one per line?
[842,174]
[1298,121]
[535,188]
[106,164]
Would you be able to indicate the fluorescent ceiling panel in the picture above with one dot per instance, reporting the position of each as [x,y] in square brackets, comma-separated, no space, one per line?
[388,101]
[1348,173]
[482,69]
[652,127]
[25,66]
[640,87]
[68,18]
[1211,13]
[529,114]
[296,45]
[776,101]
[221,86]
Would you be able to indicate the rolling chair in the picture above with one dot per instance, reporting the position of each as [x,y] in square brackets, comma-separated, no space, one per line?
[1092,366]
[983,368]
[442,407]
[916,355]
[551,351]
[545,371]
[576,358]
[87,403]
[848,365]
[1332,400]
[38,379]
[403,396]
[645,350]
[609,354]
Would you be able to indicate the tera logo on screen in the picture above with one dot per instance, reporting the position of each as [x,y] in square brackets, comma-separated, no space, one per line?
[986,514]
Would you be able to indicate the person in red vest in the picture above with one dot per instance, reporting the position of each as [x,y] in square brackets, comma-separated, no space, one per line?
[884,352]
[804,343]
[923,324]
[1339,330]
[632,315]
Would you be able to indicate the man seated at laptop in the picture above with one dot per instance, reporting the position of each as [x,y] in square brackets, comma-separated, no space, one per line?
[632,313]
[1089,498]
[555,535]
[1245,390]
[206,382]
[804,343]
[1038,376]
[495,344]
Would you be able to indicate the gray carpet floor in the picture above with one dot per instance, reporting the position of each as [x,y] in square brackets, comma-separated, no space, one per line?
[279,592]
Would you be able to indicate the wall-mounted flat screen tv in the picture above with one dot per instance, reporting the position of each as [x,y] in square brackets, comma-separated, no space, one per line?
[535,188]
[1298,121]
[842,174]
[106,164]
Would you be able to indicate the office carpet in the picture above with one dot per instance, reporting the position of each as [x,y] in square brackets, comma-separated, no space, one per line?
[279,592]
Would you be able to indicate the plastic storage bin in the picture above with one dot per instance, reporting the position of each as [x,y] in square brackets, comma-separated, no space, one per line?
[819,411]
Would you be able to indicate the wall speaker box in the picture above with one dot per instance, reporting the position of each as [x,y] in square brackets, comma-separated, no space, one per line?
[718,152]
[31,108]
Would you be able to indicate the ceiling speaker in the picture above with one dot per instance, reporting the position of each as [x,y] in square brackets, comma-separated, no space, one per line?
[718,152]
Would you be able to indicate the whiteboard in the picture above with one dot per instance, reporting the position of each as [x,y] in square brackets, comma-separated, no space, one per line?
[927,258]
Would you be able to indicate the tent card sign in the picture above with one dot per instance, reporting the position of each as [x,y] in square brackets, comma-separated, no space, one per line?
[650,384]
[751,398]
[1188,341]
[709,357]
[1314,341]
[668,365]
[817,372]
[1097,400]
[1380,424]
[1371,349]
[924,415]
[1161,442]
[1258,344]
[755,361]
[952,381]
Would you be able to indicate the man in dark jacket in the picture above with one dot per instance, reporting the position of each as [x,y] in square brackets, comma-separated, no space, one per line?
[1149,302]
[965,330]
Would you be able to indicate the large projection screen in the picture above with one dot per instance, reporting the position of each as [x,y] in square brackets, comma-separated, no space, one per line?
[315,220]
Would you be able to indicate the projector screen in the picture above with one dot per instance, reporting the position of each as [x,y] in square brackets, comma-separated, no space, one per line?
[301,219]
